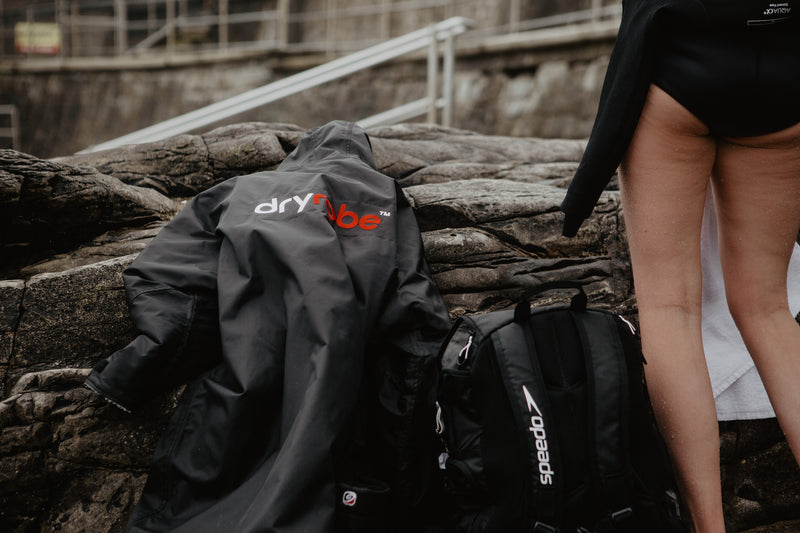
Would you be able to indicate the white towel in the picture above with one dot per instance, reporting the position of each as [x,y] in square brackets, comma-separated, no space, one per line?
[738,391]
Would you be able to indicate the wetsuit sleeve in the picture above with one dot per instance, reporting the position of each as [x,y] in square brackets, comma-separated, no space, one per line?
[171,289]
[621,100]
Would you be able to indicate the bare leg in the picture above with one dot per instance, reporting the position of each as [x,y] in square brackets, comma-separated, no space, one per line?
[664,180]
[757,189]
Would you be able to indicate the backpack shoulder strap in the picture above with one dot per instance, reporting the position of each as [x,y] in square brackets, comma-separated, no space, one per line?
[519,367]
[607,381]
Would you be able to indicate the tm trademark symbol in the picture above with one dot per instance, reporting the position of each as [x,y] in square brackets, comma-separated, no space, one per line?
[385,214]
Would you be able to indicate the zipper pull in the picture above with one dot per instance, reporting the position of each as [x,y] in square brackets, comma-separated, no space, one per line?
[440,433]
[463,355]
[439,421]
[628,323]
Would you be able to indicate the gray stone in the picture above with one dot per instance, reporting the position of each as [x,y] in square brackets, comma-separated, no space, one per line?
[69,461]
[109,245]
[789,526]
[71,318]
[488,210]
[50,207]
[184,165]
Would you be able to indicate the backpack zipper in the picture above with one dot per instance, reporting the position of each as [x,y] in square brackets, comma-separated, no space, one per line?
[463,355]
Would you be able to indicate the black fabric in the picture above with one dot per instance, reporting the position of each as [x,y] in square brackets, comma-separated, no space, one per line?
[645,24]
[739,84]
[609,432]
[298,305]
[362,506]
[546,426]
[527,381]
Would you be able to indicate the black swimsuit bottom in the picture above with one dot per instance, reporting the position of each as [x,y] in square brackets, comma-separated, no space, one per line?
[740,81]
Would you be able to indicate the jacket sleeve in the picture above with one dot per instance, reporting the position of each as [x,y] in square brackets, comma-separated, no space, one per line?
[171,289]
[411,330]
[415,319]
[621,101]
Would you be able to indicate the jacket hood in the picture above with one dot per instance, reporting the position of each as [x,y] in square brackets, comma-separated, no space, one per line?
[335,140]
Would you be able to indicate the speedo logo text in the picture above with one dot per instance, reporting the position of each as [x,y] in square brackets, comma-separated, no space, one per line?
[341,216]
[536,427]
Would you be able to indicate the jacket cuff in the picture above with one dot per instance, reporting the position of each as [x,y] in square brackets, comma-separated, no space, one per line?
[572,224]
[92,383]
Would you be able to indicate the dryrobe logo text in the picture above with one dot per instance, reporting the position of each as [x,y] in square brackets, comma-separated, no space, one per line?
[546,472]
[342,217]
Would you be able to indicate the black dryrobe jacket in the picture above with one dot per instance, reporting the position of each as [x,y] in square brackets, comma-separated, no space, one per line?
[298,306]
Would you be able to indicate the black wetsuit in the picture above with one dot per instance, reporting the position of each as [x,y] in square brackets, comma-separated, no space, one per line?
[739,80]
[733,63]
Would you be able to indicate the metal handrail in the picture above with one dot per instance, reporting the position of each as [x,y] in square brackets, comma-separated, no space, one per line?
[162,28]
[338,68]
[400,113]
[595,14]
[12,131]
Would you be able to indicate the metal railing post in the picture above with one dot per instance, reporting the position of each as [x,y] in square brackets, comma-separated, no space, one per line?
[12,131]
[433,76]
[386,19]
[152,23]
[330,28]
[222,28]
[121,26]
[170,8]
[515,15]
[59,16]
[74,33]
[283,23]
[597,10]
[29,19]
[448,86]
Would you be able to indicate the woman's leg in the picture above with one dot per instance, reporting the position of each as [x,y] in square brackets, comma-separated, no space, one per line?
[664,180]
[757,190]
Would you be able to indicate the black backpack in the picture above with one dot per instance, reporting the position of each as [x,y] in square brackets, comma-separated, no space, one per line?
[547,426]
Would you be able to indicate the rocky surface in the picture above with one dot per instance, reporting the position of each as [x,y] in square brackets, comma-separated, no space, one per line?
[48,207]
[487,207]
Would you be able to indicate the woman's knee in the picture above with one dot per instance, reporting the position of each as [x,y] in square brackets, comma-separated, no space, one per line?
[752,306]
[670,306]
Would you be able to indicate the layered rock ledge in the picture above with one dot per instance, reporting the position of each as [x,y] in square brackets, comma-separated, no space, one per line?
[488,211]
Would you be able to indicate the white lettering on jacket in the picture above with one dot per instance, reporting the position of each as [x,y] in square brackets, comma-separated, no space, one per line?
[342,217]
[273,206]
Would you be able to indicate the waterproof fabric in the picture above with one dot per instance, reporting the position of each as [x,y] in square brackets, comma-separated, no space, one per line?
[546,425]
[298,305]
[628,78]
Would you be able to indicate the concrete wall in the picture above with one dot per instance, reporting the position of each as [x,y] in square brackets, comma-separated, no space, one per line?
[519,88]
